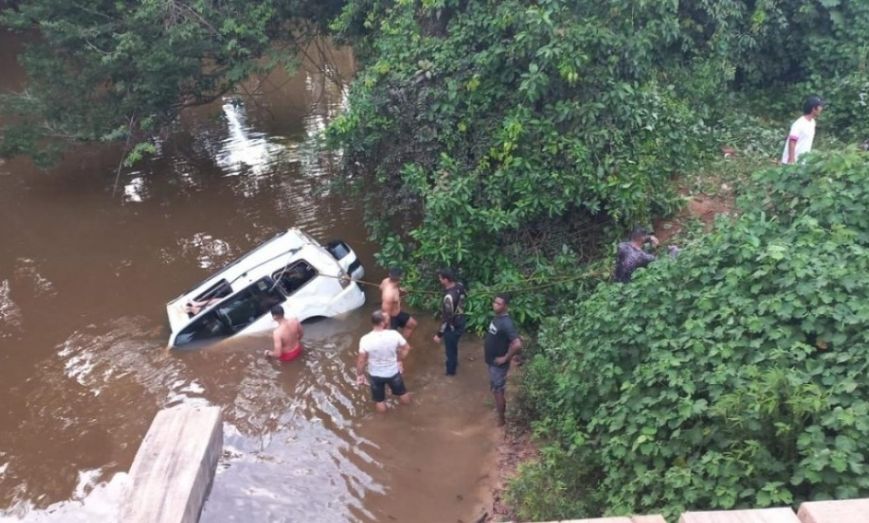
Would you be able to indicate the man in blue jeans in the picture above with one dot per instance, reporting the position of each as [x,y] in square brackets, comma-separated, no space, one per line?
[453,315]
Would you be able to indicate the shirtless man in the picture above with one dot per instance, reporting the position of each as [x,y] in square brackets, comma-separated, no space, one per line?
[390,296]
[287,337]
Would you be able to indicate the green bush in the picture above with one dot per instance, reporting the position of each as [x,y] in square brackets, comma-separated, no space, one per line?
[496,135]
[501,135]
[732,376]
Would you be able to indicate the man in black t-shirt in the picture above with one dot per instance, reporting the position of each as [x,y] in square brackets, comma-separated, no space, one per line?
[502,343]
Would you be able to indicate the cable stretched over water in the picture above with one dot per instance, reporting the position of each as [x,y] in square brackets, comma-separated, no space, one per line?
[491,289]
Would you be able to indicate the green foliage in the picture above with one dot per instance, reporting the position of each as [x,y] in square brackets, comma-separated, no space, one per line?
[122,70]
[504,133]
[732,376]
[847,113]
[495,135]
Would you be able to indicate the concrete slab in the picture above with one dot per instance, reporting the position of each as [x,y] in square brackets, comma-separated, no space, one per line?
[622,519]
[173,469]
[598,520]
[763,515]
[844,511]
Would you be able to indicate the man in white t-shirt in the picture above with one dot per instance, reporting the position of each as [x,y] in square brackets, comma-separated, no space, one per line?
[381,350]
[802,134]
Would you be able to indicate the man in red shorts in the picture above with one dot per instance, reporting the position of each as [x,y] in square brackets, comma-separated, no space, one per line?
[287,337]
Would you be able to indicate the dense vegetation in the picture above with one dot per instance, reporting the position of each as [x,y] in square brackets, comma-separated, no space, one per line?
[513,139]
[732,376]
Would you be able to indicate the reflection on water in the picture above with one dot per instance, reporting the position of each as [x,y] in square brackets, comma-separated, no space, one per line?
[10,314]
[246,151]
[92,501]
[84,277]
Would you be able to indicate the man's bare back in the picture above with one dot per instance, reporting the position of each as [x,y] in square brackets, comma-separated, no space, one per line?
[287,337]
[390,297]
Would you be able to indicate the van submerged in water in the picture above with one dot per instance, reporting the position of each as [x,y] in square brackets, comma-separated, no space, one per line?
[291,270]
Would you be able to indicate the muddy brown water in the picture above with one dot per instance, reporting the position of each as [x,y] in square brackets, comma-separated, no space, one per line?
[84,278]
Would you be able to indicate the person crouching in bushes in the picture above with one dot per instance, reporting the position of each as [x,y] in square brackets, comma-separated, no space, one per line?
[632,255]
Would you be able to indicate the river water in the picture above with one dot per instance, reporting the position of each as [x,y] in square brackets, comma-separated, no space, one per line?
[86,270]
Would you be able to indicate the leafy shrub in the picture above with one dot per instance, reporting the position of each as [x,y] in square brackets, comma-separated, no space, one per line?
[484,127]
[847,113]
[733,376]
[487,127]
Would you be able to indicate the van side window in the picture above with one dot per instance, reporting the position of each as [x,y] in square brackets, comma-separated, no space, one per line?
[294,276]
[218,290]
[233,314]
[248,305]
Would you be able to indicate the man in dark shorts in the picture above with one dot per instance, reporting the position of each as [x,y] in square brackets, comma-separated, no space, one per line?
[502,343]
[390,298]
[380,351]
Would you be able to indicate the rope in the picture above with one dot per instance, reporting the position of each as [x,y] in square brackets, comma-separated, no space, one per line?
[515,290]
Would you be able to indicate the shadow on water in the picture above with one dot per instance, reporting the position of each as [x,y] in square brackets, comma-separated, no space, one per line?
[84,278]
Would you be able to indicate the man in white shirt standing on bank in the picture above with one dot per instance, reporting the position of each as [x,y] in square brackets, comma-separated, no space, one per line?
[381,350]
[802,133]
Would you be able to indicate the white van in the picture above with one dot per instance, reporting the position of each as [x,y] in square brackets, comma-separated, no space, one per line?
[291,269]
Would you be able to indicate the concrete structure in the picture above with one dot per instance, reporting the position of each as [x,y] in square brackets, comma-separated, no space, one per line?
[173,469]
[622,519]
[763,515]
[845,511]
[617,519]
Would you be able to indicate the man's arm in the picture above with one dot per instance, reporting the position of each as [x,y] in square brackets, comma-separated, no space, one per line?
[361,361]
[448,310]
[403,350]
[276,351]
[515,343]
[512,350]
[646,258]
[793,136]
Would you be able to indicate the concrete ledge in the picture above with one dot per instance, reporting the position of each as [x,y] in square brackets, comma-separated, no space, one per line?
[845,511]
[173,469]
[599,520]
[763,515]
[620,519]
[648,519]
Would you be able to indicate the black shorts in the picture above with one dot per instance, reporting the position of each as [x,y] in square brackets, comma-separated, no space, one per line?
[378,387]
[399,321]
